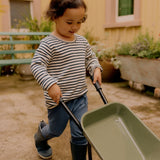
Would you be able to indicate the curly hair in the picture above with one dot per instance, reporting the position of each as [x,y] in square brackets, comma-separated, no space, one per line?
[57,7]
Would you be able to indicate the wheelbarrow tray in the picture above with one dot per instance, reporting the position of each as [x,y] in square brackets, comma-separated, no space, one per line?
[117,134]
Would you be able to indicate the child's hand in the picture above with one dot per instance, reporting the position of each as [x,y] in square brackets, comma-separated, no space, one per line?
[97,76]
[55,93]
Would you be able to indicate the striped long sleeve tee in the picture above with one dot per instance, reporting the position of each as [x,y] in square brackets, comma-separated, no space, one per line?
[64,63]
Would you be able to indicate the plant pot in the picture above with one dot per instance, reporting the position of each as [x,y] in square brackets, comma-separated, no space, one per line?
[141,70]
[24,71]
[109,74]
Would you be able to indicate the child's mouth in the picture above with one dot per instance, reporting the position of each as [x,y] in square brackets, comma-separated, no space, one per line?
[71,32]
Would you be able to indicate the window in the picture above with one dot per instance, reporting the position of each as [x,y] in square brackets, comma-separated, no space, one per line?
[125,7]
[122,13]
[124,10]
[19,11]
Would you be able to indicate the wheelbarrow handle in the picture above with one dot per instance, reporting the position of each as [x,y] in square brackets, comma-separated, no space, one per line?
[78,124]
[71,114]
[99,89]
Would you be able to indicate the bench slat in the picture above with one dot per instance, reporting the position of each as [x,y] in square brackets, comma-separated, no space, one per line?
[24,33]
[14,61]
[17,51]
[20,42]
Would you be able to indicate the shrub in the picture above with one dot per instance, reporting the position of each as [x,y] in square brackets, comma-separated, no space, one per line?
[143,46]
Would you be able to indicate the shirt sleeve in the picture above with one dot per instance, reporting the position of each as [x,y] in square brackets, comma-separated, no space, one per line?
[39,65]
[91,60]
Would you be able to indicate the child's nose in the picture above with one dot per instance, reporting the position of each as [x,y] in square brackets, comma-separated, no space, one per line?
[75,27]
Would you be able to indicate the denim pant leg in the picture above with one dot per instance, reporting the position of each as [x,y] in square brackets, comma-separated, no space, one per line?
[58,118]
[78,107]
[57,121]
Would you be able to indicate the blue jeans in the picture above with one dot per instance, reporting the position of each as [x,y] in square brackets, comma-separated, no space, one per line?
[58,119]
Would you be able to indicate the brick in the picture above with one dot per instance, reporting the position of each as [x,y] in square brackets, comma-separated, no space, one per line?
[157,92]
[137,86]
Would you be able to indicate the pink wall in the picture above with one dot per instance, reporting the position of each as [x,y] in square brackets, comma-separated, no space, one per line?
[5,16]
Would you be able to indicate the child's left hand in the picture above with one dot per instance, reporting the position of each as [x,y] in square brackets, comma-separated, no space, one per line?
[97,76]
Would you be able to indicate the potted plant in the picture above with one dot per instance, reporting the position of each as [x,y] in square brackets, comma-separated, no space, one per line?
[32,25]
[140,60]
[106,57]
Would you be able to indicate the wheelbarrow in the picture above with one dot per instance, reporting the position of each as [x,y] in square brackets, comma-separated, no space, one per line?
[116,133]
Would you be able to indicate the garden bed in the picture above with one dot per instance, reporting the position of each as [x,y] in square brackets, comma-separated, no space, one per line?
[141,70]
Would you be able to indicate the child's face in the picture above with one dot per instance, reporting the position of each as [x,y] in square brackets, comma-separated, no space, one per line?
[69,23]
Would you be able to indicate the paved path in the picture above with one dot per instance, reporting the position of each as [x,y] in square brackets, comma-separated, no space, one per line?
[22,107]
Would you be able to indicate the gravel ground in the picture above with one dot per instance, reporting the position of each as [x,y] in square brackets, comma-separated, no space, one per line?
[22,107]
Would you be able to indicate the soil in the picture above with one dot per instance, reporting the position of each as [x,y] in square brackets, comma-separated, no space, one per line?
[22,107]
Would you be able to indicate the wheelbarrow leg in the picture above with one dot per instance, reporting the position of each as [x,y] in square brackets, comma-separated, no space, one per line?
[78,124]
[89,152]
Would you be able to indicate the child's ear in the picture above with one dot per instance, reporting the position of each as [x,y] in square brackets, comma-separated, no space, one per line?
[54,19]
[84,18]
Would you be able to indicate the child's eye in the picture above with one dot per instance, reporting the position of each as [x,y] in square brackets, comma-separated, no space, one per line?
[69,22]
[79,22]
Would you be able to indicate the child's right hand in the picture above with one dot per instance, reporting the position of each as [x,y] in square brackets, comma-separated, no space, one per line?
[55,93]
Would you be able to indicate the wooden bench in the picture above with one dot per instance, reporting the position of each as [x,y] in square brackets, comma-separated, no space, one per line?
[8,51]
